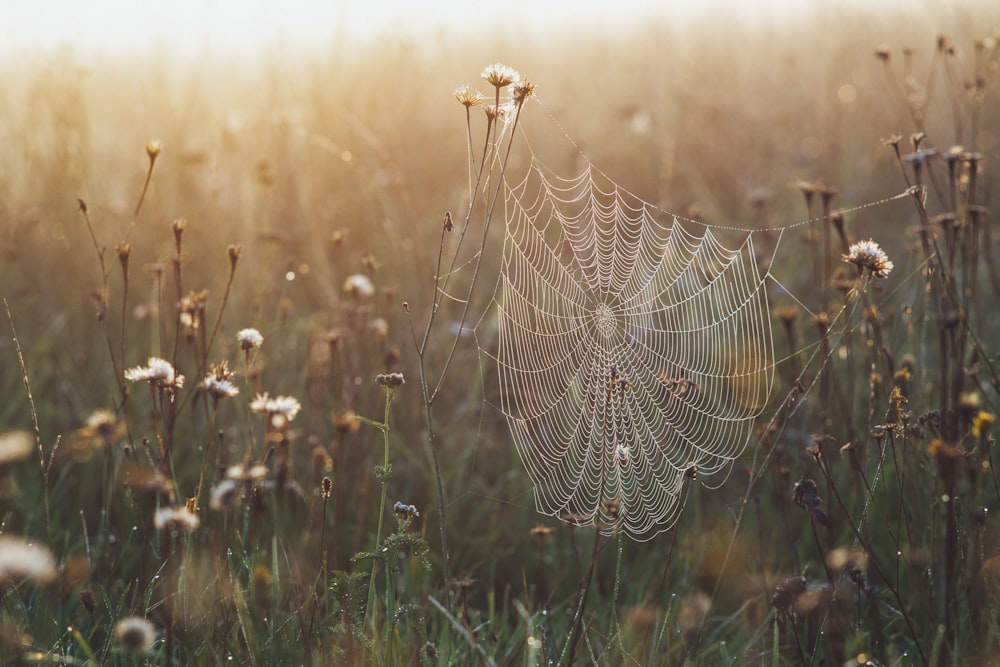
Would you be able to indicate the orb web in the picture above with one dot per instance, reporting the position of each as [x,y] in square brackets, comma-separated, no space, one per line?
[634,349]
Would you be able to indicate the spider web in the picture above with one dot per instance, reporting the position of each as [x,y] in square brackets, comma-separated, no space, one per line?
[635,349]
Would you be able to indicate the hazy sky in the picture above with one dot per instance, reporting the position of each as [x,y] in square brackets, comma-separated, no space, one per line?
[200,26]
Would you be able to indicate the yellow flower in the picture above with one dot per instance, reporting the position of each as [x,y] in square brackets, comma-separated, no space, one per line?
[982,423]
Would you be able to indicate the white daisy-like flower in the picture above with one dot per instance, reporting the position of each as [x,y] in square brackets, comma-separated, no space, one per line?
[157,371]
[249,339]
[176,517]
[869,255]
[359,286]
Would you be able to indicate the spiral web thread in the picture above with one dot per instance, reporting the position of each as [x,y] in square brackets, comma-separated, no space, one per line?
[633,350]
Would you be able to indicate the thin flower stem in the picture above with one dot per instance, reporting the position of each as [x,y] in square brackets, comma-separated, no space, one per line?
[384,428]
[34,420]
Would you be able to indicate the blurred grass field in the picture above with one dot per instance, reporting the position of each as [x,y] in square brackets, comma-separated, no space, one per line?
[324,166]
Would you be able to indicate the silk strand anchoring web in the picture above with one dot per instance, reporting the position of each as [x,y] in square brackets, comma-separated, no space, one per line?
[635,350]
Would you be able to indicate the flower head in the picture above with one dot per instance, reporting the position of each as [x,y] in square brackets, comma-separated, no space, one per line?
[249,339]
[176,517]
[158,372]
[390,380]
[359,286]
[286,406]
[15,445]
[135,634]
[468,96]
[20,559]
[521,91]
[219,382]
[868,255]
[223,494]
[500,76]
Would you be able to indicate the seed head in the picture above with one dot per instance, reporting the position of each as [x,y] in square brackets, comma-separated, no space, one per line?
[522,91]
[153,148]
[20,559]
[468,96]
[286,406]
[158,372]
[14,446]
[390,381]
[500,76]
[218,383]
[136,635]
[223,494]
[176,517]
[249,339]
[234,255]
[404,511]
[868,255]
[326,487]
[359,286]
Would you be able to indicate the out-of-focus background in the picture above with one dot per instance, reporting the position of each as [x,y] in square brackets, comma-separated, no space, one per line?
[325,140]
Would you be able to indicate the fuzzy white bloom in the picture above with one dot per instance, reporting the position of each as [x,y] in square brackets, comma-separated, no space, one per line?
[219,387]
[15,445]
[223,494]
[176,517]
[499,75]
[868,255]
[157,371]
[249,339]
[135,634]
[286,406]
[20,559]
[359,286]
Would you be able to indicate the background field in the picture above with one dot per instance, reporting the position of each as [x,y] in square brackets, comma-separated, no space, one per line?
[327,164]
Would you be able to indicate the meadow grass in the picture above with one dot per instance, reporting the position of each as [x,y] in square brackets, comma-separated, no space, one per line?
[370,509]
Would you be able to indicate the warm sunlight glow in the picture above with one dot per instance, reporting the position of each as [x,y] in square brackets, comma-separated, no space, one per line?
[196,27]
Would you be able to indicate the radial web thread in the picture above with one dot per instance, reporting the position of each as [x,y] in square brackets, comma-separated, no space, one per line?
[634,348]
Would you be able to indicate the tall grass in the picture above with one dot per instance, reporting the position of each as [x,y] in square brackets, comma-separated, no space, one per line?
[344,520]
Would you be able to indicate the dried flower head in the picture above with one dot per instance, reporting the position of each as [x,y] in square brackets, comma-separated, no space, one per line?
[787,592]
[500,76]
[286,406]
[522,91]
[136,635]
[249,339]
[153,148]
[254,473]
[390,381]
[380,328]
[359,286]
[468,96]
[173,518]
[219,382]
[326,487]
[20,559]
[158,372]
[868,255]
[405,511]
[223,495]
